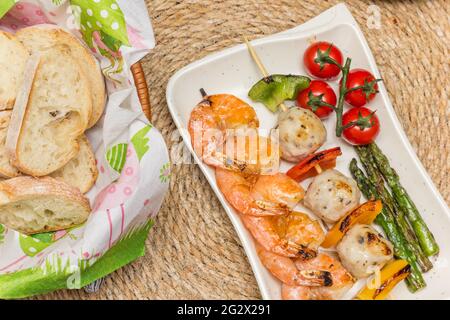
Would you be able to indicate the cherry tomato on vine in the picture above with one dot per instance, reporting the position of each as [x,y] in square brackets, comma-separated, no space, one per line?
[361,126]
[316,98]
[317,59]
[367,84]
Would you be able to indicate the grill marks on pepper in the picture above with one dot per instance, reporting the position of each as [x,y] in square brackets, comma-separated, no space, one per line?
[345,223]
[405,270]
[357,212]
[317,157]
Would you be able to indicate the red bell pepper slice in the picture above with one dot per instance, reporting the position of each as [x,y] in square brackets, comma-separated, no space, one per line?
[326,159]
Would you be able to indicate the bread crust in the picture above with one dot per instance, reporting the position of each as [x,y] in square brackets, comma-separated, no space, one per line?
[6,169]
[86,149]
[92,165]
[20,54]
[17,117]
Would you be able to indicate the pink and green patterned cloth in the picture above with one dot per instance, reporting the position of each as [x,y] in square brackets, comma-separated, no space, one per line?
[131,155]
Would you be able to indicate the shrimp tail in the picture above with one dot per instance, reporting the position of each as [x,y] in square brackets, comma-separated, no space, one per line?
[304,253]
[256,210]
[276,208]
[284,269]
[315,278]
[232,164]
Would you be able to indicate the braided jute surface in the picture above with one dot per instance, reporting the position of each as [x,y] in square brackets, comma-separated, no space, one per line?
[193,251]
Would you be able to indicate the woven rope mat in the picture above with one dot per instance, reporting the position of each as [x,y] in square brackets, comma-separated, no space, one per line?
[193,251]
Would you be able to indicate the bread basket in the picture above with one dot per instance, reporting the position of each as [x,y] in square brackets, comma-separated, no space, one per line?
[130,155]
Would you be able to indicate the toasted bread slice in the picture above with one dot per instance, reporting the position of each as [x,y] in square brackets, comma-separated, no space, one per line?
[44,129]
[81,171]
[35,205]
[13,57]
[42,37]
[6,169]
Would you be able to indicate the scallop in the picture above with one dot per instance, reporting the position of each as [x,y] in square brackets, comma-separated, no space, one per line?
[301,133]
[331,195]
[363,250]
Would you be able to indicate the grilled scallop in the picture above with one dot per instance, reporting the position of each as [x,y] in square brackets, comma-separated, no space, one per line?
[363,250]
[331,195]
[301,133]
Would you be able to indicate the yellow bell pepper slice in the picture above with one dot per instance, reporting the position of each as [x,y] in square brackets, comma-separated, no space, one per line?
[391,275]
[364,214]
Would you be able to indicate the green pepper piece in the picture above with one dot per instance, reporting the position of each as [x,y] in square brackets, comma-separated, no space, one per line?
[275,89]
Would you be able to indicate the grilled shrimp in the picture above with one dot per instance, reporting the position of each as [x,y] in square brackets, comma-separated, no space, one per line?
[291,235]
[342,280]
[331,195]
[284,269]
[224,134]
[363,249]
[259,195]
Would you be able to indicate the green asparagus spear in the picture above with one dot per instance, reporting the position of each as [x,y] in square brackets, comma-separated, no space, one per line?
[424,235]
[384,217]
[415,280]
[376,179]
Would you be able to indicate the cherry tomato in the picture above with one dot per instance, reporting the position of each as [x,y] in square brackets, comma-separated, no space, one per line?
[365,129]
[322,51]
[368,87]
[312,98]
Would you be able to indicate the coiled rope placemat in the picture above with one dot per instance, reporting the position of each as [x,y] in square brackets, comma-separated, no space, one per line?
[193,251]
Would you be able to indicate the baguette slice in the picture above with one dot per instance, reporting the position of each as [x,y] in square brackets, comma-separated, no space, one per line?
[35,205]
[44,129]
[81,172]
[41,37]
[13,57]
[6,169]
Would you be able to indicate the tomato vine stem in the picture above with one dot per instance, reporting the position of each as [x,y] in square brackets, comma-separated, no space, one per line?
[368,88]
[315,102]
[342,92]
[323,57]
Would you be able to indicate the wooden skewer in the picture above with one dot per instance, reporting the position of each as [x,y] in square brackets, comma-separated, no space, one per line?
[266,74]
[318,168]
[261,66]
[256,58]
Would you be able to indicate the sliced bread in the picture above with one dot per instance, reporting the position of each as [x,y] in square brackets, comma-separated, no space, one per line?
[44,129]
[42,37]
[13,57]
[6,169]
[35,205]
[80,172]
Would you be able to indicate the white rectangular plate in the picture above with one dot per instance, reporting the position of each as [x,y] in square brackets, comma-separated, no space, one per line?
[233,71]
